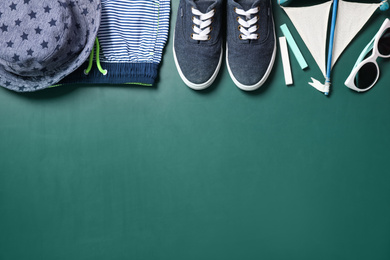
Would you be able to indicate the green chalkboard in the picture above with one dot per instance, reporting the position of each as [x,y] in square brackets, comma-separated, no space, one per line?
[168,173]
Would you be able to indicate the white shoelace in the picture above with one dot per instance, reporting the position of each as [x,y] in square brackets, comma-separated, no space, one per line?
[202,24]
[248,26]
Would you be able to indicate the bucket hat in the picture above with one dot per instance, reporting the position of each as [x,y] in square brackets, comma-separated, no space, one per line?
[43,41]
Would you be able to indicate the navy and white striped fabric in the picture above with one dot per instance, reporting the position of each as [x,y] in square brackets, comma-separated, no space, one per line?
[132,36]
[133,31]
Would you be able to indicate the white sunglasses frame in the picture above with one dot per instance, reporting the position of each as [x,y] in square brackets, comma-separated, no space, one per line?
[350,81]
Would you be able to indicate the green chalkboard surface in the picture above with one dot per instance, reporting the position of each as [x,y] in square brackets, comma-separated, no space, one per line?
[169,173]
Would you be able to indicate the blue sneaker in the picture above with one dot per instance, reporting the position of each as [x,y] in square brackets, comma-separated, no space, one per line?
[251,44]
[197,46]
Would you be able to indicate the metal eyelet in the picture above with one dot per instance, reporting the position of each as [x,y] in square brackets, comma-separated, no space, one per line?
[258,36]
[192,36]
[235,9]
[239,27]
[208,37]
[240,36]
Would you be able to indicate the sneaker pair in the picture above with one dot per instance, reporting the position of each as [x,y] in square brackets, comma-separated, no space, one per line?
[250,42]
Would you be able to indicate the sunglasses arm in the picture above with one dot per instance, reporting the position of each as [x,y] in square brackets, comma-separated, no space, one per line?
[366,50]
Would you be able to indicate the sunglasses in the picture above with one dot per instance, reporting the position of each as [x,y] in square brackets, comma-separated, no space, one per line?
[365,72]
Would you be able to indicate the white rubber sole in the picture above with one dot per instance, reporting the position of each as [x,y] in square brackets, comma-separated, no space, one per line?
[194,85]
[262,80]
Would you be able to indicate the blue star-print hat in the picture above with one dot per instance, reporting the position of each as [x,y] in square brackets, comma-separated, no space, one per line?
[42,41]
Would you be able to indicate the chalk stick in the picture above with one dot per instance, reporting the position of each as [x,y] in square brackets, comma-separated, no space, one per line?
[285,61]
[294,47]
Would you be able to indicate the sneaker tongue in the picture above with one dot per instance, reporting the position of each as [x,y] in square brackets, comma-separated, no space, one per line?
[247,4]
[204,5]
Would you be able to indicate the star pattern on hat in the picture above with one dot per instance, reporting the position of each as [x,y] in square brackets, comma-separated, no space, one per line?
[47,9]
[4,28]
[18,22]
[53,22]
[13,6]
[32,15]
[44,44]
[16,57]
[38,30]
[30,52]
[10,44]
[24,36]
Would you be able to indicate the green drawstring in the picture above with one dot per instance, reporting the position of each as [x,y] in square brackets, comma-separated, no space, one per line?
[103,71]
[88,69]
[90,63]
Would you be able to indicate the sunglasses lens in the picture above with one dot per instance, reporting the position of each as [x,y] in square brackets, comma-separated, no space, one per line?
[384,43]
[366,76]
